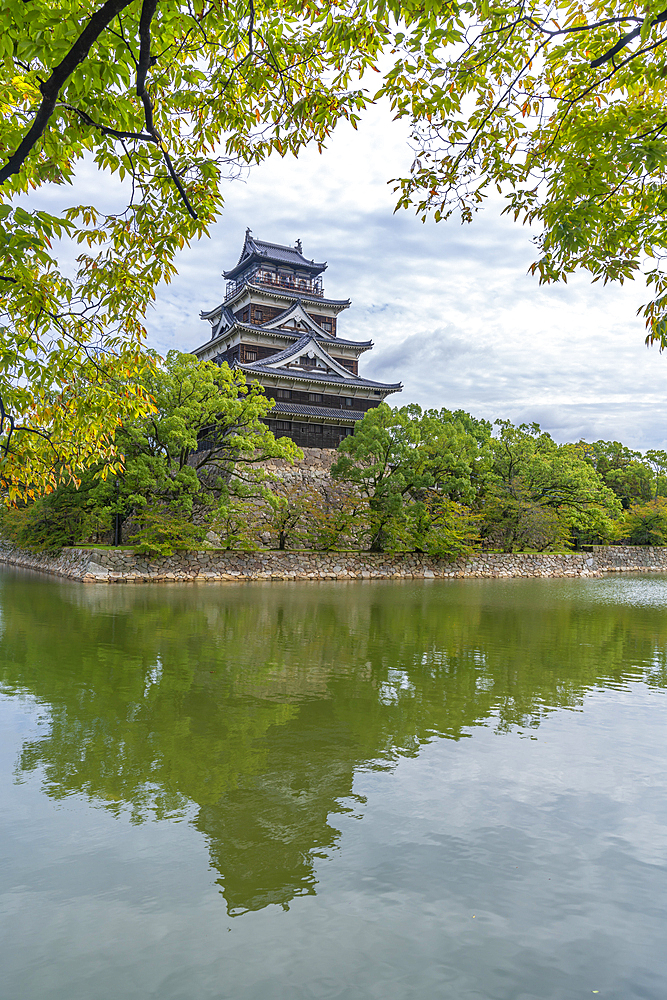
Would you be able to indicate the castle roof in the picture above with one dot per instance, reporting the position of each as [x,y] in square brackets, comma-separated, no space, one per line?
[307,344]
[285,364]
[327,412]
[305,375]
[260,251]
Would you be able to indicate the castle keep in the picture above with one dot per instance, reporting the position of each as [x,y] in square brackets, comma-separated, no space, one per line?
[277,326]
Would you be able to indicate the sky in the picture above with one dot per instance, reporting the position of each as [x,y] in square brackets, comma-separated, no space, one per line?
[452,311]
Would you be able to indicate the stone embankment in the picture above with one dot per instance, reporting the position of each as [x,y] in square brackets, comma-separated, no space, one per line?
[124,566]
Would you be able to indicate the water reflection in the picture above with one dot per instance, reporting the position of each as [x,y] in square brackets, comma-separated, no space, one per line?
[250,709]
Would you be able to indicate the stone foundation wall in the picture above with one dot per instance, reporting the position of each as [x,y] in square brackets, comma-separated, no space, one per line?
[124,566]
[630,558]
[315,464]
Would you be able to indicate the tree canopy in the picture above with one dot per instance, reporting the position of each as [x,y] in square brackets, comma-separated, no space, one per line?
[561,107]
[177,462]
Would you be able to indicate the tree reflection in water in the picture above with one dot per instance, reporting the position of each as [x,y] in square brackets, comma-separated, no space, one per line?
[250,708]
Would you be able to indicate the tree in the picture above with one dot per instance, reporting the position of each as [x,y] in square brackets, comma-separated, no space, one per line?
[180,463]
[623,470]
[281,510]
[69,515]
[169,97]
[335,515]
[562,109]
[657,459]
[646,524]
[396,456]
[207,429]
[538,491]
[440,526]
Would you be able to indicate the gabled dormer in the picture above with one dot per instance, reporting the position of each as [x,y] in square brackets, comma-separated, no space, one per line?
[306,355]
[296,319]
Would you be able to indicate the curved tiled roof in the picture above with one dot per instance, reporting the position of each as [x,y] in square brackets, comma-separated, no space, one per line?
[261,250]
[303,410]
[253,368]
[325,338]
[288,352]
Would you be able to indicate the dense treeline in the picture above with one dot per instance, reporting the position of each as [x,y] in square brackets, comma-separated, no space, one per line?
[431,481]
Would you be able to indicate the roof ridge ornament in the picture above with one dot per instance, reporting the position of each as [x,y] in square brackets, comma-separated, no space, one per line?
[298,246]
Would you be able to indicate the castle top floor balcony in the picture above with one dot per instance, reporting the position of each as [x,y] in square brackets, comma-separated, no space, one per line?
[278,280]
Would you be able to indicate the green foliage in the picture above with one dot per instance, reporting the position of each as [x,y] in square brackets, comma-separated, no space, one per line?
[624,471]
[528,100]
[646,524]
[233,525]
[335,516]
[167,480]
[538,492]
[160,531]
[196,404]
[68,516]
[562,110]
[429,481]
[515,522]
[395,455]
[657,459]
[441,527]
[281,511]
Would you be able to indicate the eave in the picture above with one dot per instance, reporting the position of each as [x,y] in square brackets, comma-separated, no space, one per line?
[292,375]
[328,414]
[283,295]
[348,346]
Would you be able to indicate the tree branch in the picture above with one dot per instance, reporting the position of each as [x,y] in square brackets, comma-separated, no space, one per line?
[51,87]
[143,136]
[625,40]
[147,12]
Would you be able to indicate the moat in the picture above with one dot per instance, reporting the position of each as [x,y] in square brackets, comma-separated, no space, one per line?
[430,789]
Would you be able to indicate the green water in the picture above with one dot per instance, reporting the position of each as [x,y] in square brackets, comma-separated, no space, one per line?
[272,792]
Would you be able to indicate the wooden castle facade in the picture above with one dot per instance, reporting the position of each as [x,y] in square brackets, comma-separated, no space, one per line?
[278,327]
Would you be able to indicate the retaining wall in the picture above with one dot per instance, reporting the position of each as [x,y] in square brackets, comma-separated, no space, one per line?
[124,566]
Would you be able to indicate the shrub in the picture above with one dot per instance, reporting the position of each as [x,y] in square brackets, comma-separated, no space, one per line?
[646,524]
[160,531]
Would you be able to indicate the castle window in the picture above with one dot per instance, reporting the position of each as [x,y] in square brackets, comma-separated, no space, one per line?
[326,325]
[250,355]
[283,425]
[348,401]
[257,315]
[283,394]
[315,397]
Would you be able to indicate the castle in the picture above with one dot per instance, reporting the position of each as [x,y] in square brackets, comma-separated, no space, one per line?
[277,326]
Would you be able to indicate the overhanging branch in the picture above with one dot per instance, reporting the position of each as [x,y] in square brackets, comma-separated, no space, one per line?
[147,12]
[106,129]
[625,40]
[51,87]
